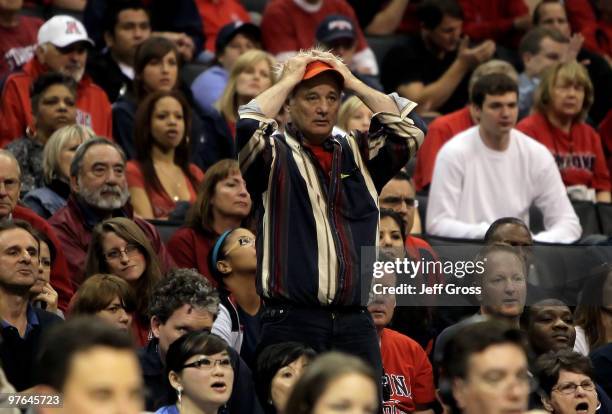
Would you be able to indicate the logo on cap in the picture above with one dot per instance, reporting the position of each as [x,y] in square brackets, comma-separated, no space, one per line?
[72,28]
[339,25]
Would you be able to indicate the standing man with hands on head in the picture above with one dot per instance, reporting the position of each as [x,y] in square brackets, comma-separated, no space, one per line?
[317,201]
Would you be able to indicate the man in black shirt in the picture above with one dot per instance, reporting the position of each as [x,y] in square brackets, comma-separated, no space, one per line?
[433,68]
[21,324]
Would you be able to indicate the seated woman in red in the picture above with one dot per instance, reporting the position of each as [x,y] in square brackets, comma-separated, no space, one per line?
[223,203]
[161,179]
[562,102]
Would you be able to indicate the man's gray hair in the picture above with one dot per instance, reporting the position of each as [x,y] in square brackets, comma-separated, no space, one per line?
[77,161]
[10,155]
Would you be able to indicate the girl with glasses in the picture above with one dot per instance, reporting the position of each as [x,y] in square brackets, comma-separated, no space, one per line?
[118,246]
[233,265]
[200,372]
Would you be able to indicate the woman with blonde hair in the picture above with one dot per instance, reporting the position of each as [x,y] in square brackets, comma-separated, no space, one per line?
[354,115]
[222,204]
[251,75]
[56,159]
[118,246]
[562,102]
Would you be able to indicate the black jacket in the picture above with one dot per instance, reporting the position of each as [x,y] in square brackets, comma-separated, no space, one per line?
[105,73]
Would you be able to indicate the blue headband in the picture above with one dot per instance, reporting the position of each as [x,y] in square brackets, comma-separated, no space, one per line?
[217,247]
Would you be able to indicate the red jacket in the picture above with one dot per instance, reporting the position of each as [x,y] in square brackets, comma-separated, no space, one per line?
[440,131]
[60,279]
[94,108]
[74,233]
[486,19]
[597,33]
[190,248]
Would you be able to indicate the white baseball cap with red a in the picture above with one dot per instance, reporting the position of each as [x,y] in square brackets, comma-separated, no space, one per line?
[62,31]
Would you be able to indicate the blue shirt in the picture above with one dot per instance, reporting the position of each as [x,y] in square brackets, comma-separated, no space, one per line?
[208,87]
[168,409]
[31,317]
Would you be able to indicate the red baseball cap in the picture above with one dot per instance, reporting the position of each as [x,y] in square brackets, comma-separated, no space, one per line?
[317,67]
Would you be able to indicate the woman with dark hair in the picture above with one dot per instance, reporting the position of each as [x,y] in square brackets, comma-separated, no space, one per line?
[392,235]
[566,383]
[593,315]
[233,265]
[279,366]
[161,179]
[107,296]
[119,247]
[200,372]
[222,204]
[157,64]
[42,293]
[53,99]
[335,379]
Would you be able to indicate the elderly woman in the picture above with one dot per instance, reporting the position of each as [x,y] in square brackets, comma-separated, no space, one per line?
[56,159]
[562,102]
[566,383]
[222,204]
[53,98]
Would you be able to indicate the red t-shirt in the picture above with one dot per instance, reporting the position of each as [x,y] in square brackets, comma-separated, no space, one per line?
[286,27]
[579,154]
[17,43]
[439,132]
[407,371]
[324,157]
[161,202]
[216,14]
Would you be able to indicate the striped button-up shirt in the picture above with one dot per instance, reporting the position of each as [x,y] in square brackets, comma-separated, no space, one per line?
[311,225]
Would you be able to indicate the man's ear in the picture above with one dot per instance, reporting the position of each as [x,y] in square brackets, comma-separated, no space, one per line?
[458,388]
[109,39]
[40,53]
[155,325]
[224,267]
[74,185]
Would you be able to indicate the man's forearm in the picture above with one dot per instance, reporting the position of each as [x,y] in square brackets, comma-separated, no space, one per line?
[388,20]
[272,99]
[375,100]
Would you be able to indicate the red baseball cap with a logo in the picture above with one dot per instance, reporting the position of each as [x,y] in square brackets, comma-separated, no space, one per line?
[62,31]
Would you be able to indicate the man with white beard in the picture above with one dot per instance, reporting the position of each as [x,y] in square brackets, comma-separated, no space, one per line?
[62,47]
[99,191]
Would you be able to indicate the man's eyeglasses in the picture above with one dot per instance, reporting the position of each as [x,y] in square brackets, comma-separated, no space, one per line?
[397,201]
[570,388]
[207,364]
[116,254]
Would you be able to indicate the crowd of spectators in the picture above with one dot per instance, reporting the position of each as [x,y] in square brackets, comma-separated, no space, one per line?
[193,193]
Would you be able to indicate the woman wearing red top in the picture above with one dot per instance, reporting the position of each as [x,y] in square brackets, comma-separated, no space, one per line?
[119,247]
[161,180]
[562,102]
[223,203]
[251,75]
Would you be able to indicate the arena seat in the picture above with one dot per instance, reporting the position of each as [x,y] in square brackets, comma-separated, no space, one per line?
[587,214]
[165,228]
